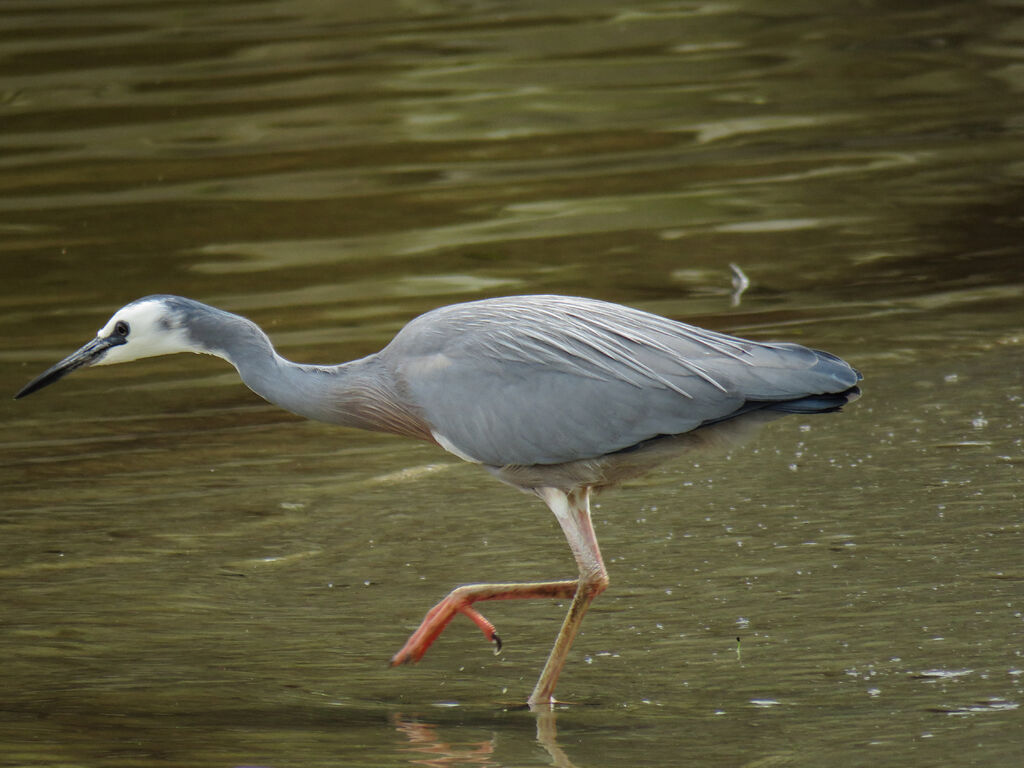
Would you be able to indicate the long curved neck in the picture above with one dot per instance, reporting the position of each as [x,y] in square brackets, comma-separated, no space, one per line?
[354,394]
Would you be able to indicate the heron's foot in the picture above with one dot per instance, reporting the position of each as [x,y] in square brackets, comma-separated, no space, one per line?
[461,599]
[436,620]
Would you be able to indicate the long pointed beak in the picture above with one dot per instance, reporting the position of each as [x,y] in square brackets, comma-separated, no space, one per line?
[86,356]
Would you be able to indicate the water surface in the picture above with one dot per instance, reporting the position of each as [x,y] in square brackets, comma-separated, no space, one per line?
[189,576]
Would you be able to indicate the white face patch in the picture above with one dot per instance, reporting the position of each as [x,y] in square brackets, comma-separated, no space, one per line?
[151,332]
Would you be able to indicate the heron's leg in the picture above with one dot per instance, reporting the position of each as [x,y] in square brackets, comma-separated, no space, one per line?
[460,599]
[573,513]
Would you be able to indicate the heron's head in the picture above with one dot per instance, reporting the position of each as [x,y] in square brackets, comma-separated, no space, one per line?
[147,327]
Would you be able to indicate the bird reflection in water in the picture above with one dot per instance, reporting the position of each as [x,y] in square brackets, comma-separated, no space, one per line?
[423,739]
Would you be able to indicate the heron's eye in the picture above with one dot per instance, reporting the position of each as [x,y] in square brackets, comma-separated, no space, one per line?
[121,328]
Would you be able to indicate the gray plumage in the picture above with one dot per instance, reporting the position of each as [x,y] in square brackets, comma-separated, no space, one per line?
[528,380]
[553,394]
[550,379]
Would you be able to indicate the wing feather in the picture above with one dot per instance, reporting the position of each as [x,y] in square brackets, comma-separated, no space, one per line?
[549,379]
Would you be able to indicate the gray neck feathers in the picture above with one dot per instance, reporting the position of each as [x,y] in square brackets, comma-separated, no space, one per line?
[356,394]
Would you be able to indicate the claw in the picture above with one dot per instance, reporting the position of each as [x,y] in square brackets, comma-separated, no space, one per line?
[460,599]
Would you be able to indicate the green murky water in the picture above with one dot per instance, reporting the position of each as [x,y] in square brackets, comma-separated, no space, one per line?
[189,576]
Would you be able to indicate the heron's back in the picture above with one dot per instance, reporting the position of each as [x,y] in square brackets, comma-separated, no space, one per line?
[528,380]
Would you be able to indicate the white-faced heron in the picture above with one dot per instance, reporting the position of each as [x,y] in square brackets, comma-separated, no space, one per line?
[554,395]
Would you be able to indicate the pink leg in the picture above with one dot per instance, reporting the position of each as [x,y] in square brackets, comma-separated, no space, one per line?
[573,512]
[459,601]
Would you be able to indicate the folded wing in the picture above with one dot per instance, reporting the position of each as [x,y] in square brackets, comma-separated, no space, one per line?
[550,379]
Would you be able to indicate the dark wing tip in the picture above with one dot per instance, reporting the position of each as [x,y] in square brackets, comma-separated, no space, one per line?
[827,402]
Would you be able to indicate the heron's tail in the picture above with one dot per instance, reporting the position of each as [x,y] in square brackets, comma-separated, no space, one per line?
[825,403]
